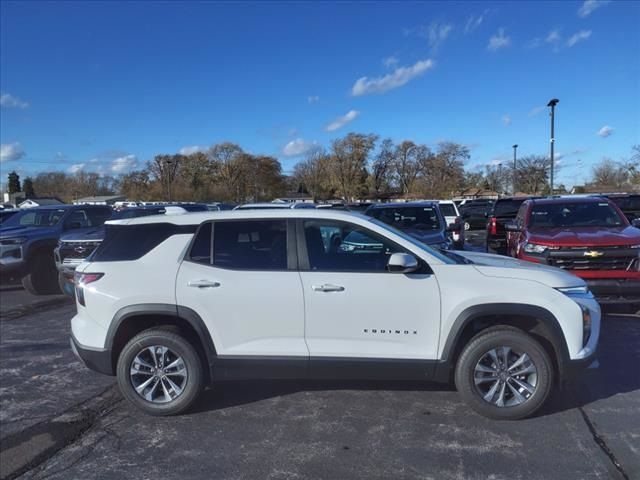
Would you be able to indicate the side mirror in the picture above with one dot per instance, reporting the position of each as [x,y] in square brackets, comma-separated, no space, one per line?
[636,222]
[402,263]
[511,227]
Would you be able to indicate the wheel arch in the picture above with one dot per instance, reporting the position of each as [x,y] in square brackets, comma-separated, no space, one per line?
[132,319]
[535,320]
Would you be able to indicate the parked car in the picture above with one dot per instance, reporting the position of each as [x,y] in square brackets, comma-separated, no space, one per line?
[454,220]
[503,210]
[261,294]
[73,248]
[628,203]
[218,206]
[422,220]
[274,206]
[474,213]
[589,237]
[28,238]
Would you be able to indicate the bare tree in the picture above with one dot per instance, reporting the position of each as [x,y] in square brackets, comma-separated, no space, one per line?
[532,175]
[227,160]
[312,173]
[408,160]
[382,167]
[349,163]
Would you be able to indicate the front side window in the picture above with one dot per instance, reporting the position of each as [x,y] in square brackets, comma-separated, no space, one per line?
[250,244]
[600,214]
[337,246]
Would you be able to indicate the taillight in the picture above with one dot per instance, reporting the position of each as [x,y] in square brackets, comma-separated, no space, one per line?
[83,279]
[493,226]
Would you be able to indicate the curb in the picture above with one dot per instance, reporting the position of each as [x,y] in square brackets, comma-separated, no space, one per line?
[26,450]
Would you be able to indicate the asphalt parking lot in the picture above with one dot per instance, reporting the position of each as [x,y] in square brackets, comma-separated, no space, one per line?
[72,423]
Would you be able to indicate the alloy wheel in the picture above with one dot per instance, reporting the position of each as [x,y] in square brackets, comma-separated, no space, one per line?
[505,377]
[158,374]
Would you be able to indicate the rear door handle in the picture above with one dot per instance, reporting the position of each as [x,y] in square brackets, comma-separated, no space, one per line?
[327,287]
[203,284]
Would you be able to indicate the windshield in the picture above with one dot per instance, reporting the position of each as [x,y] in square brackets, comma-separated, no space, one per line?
[447,259]
[448,210]
[35,218]
[575,215]
[404,218]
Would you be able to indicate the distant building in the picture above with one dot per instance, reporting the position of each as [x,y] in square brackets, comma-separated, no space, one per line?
[100,200]
[40,202]
[14,198]
[605,189]
[473,193]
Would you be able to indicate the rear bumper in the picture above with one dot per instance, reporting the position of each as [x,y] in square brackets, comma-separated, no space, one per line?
[615,290]
[97,359]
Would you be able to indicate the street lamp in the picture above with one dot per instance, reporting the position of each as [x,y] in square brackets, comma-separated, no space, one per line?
[552,103]
[499,178]
[515,167]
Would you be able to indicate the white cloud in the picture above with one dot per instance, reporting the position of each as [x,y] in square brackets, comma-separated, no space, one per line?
[120,164]
[192,149]
[605,131]
[342,121]
[578,37]
[390,62]
[506,120]
[474,22]
[553,37]
[313,99]
[399,77]
[536,110]
[9,101]
[297,147]
[589,6]
[498,41]
[438,33]
[11,151]
[76,167]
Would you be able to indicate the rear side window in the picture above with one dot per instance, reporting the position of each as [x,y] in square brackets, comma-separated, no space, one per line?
[202,246]
[131,242]
[97,216]
[448,210]
[250,245]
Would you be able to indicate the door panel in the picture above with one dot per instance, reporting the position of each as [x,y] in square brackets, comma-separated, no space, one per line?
[253,306]
[364,311]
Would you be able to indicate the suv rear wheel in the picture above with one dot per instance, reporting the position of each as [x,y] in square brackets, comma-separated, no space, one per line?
[160,372]
[42,278]
[504,373]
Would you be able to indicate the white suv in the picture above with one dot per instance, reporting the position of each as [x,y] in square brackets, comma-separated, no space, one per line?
[172,304]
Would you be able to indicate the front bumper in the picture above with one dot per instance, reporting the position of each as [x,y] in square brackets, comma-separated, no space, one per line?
[98,359]
[615,291]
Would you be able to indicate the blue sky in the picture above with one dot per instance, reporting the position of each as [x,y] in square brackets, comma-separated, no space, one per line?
[106,86]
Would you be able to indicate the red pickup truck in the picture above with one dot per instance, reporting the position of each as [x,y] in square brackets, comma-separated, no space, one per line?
[588,236]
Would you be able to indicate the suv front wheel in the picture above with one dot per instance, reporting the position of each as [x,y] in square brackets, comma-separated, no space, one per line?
[504,373]
[160,372]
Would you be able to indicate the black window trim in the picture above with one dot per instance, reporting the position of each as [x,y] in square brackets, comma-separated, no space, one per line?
[303,255]
[292,255]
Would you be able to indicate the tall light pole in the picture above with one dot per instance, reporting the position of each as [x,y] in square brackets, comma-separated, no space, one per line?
[499,179]
[515,168]
[552,103]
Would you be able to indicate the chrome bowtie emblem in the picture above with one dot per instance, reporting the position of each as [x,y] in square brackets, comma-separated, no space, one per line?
[593,254]
[79,249]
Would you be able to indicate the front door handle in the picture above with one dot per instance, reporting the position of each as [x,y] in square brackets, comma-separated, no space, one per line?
[327,287]
[203,284]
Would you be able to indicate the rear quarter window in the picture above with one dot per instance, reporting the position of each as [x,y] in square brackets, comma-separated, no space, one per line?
[131,242]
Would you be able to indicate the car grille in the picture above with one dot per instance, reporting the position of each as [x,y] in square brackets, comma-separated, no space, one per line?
[76,250]
[596,258]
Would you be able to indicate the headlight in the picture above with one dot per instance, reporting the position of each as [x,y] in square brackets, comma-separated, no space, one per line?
[586,324]
[574,290]
[535,248]
[13,241]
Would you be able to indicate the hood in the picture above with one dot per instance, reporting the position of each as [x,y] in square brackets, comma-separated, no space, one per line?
[429,237]
[585,236]
[506,267]
[25,231]
[84,234]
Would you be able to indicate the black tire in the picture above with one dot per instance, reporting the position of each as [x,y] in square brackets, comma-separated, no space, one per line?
[194,380]
[519,341]
[42,278]
[66,286]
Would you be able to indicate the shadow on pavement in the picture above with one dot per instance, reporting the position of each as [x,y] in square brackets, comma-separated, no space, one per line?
[619,372]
